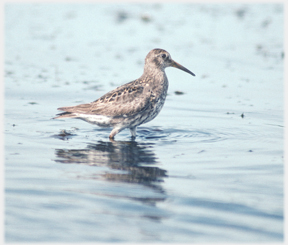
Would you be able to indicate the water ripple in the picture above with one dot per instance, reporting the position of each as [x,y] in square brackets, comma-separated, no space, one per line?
[172,135]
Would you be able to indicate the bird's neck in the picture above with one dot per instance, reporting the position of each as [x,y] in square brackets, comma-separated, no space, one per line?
[153,72]
[157,79]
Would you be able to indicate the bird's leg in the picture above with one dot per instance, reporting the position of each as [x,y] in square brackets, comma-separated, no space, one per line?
[114,132]
[133,132]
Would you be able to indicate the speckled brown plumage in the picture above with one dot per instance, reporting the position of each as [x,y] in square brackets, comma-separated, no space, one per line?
[133,103]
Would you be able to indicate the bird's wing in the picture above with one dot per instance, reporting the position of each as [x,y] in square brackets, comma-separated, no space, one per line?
[126,100]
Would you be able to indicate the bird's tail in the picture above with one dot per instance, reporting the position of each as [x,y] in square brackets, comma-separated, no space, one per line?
[65,115]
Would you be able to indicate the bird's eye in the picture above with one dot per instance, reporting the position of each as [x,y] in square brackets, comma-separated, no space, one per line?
[163,56]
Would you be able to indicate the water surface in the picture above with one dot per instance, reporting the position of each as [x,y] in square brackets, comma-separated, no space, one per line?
[209,168]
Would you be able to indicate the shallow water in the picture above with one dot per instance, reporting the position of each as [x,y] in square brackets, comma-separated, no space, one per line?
[209,168]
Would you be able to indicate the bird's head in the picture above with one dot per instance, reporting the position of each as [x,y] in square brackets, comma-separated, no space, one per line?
[161,59]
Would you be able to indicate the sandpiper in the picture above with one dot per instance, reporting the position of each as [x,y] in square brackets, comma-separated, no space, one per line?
[133,103]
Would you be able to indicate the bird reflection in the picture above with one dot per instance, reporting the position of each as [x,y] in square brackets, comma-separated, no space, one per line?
[136,159]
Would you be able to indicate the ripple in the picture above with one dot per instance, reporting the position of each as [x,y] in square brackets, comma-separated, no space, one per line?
[200,135]
[172,134]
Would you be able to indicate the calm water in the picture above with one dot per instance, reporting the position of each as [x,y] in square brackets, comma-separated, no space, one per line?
[209,168]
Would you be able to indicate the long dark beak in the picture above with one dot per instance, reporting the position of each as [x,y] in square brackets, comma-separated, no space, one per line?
[176,65]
